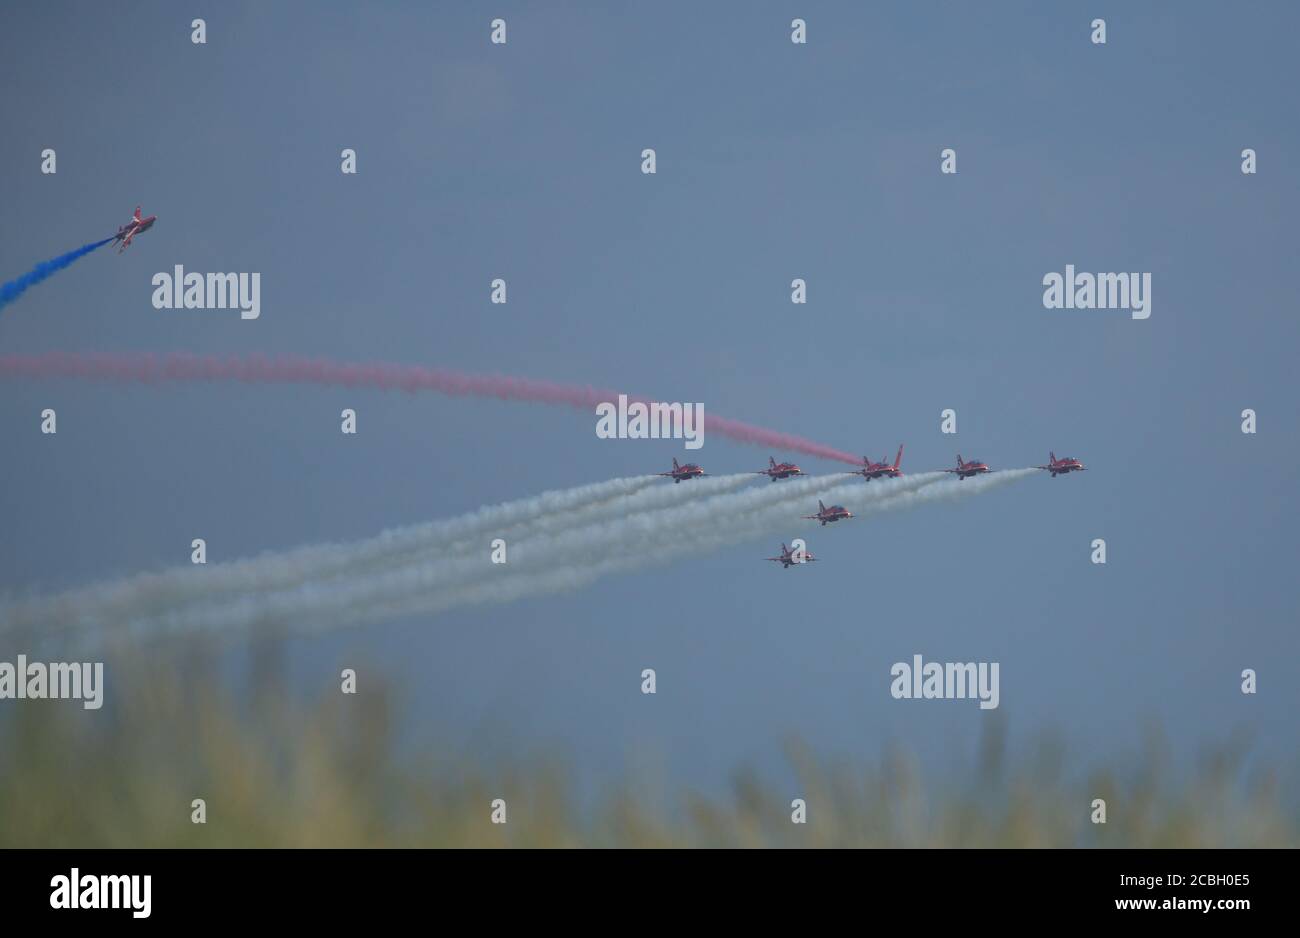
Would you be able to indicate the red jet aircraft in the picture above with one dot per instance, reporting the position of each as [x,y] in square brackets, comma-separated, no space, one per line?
[1063,465]
[683,473]
[777,470]
[829,515]
[789,558]
[133,228]
[964,469]
[875,470]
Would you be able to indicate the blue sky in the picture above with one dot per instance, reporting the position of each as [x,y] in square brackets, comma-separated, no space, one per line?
[775,161]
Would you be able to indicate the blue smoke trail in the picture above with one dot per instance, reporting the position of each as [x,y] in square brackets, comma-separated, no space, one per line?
[16,287]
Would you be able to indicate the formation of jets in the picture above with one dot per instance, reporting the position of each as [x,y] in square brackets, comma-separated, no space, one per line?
[132,228]
[870,470]
[774,471]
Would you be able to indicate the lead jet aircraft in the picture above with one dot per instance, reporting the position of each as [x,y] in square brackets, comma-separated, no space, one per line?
[1063,465]
[683,473]
[133,228]
[966,469]
[789,558]
[777,470]
[829,515]
[875,470]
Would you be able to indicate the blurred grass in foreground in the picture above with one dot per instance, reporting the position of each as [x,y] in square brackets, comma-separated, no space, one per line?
[276,774]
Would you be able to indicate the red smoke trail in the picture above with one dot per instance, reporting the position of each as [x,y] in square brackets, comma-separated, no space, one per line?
[183,367]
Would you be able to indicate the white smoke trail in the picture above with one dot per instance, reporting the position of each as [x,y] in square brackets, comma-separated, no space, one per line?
[714,520]
[152,594]
[582,513]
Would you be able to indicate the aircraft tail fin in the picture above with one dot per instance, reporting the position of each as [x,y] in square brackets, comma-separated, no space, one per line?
[820,506]
[137,213]
[1051,456]
[771,462]
[675,466]
[899,458]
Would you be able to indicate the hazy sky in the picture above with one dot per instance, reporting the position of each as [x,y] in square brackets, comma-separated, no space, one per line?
[775,161]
